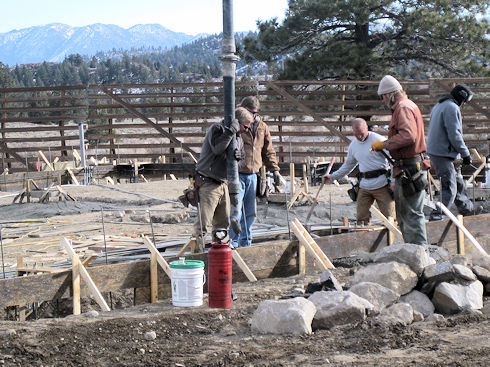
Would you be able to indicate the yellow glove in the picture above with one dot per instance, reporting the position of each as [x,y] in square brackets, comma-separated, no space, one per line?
[377,146]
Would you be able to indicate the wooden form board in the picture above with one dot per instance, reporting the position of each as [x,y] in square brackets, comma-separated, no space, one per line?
[85,276]
[310,245]
[271,259]
[462,228]
[388,224]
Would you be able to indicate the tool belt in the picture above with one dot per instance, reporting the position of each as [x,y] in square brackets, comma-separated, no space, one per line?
[373,174]
[407,161]
[200,179]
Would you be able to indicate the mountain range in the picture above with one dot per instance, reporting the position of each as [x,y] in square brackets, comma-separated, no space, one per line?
[52,42]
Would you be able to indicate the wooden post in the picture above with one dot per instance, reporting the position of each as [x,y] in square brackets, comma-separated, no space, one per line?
[153,278]
[305,179]
[291,174]
[86,277]
[301,258]
[28,190]
[460,236]
[75,275]
[391,235]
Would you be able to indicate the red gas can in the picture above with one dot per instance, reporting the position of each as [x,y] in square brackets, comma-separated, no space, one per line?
[219,275]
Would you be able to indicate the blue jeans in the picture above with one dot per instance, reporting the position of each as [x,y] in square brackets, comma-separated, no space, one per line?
[247,210]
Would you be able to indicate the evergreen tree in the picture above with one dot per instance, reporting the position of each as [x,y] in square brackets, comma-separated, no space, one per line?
[363,39]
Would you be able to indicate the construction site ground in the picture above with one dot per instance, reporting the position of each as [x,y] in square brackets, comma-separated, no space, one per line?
[200,336]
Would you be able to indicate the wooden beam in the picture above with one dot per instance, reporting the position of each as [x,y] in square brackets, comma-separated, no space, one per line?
[185,247]
[310,245]
[161,261]
[460,236]
[50,166]
[72,176]
[462,227]
[135,112]
[86,277]
[317,117]
[153,277]
[5,149]
[75,275]
[478,170]
[243,266]
[391,227]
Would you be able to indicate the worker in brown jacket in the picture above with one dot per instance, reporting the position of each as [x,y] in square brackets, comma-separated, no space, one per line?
[406,143]
[258,148]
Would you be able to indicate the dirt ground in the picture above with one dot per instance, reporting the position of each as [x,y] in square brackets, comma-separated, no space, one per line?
[200,336]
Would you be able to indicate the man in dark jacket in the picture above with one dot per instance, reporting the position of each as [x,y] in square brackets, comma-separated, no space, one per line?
[211,175]
[444,144]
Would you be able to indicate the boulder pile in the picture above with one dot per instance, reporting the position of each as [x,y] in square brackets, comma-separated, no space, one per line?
[403,284]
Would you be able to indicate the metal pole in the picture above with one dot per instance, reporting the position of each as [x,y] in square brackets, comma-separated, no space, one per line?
[1,246]
[228,59]
[81,136]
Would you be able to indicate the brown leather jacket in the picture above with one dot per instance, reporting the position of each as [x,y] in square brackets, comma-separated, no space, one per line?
[257,143]
[406,130]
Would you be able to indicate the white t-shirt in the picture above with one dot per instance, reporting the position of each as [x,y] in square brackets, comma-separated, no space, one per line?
[360,153]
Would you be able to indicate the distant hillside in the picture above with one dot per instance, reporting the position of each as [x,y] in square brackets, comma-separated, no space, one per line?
[195,61]
[53,42]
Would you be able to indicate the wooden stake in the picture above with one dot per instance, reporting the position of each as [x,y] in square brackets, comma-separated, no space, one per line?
[305,179]
[184,248]
[243,266]
[389,225]
[462,227]
[75,275]
[153,277]
[478,170]
[86,277]
[460,237]
[291,182]
[72,176]
[161,261]
[311,246]
[46,160]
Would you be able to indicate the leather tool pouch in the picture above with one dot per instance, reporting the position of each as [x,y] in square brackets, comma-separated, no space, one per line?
[353,191]
[413,184]
[262,187]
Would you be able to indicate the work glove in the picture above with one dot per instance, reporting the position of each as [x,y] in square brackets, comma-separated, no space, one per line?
[238,154]
[234,126]
[467,160]
[327,179]
[377,146]
[234,200]
[277,178]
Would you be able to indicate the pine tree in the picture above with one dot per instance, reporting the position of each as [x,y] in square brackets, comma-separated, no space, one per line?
[363,39]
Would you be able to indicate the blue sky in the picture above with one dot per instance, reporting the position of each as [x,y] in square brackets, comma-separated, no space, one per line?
[188,16]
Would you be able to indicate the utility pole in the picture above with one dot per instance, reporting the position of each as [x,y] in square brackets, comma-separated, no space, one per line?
[229,58]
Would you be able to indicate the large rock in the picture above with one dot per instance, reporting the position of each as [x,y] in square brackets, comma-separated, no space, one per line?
[393,275]
[291,316]
[338,308]
[464,273]
[419,302]
[481,273]
[397,314]
[406,253]
[379,296]
[453,298]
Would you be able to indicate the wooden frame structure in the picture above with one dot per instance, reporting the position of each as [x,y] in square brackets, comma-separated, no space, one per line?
[273,259]
[148,121]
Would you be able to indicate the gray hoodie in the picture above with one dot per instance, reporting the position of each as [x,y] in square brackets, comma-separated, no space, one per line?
[445,137]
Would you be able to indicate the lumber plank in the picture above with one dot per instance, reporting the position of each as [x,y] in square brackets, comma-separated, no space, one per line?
[185,247]
[153,277]
[86,277]
[72,176]
[462,227]
[243,266]
[391,227]
[75,271]
[314,246]
[48,164]
[478,170]
[460,236]
[161,261]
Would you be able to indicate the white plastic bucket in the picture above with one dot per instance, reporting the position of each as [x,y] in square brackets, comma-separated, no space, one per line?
[187,282]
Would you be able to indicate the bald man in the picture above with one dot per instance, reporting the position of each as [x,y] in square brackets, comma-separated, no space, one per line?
[374,173]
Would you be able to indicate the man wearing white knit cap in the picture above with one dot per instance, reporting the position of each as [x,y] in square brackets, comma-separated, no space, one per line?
[406,143]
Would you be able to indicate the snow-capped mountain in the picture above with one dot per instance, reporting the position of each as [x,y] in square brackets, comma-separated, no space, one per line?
[52,42]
